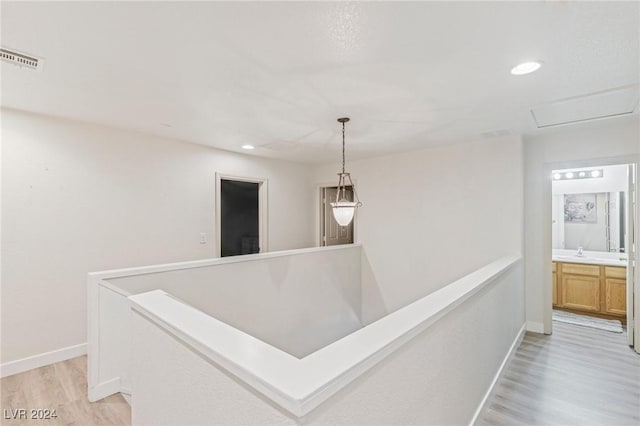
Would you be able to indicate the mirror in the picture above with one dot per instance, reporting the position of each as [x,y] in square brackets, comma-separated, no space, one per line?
[594,221]
[589,208]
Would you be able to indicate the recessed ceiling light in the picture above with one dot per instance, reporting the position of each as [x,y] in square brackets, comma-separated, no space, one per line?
[569,175]
[595,173]
[525,68]
[582,174]
[248,147]
[557,176]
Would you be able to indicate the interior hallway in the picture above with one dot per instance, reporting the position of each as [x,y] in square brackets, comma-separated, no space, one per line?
[576,376]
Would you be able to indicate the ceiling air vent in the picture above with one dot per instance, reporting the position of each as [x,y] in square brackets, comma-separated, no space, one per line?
[496,133]
[20,59]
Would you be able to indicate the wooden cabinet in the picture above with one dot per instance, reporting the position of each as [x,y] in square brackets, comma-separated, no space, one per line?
[555,284]
[580,269]
[615,296]
[596,289]
[615,284]
[615,272]
[580,292]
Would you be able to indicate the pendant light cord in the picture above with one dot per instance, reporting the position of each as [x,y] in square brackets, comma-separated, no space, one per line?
[343,147]
[345,178]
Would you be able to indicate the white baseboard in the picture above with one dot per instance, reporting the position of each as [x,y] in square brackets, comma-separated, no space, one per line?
[36,361]
[501,370]
[104,389]
[535,327]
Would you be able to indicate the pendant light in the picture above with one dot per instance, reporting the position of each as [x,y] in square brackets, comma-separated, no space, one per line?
[343,208]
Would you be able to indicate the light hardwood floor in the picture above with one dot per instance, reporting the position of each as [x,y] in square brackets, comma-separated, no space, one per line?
[576,376]
[61,387]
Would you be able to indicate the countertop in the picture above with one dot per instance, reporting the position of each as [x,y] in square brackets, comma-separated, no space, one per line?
[590,257]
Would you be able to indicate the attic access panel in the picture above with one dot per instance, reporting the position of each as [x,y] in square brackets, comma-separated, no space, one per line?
[609,103]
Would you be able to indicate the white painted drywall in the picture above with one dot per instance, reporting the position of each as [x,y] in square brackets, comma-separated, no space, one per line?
[113,341]
[441,376]
[613,141]
[297,302]
[78,197]
[163,366]
[432,216]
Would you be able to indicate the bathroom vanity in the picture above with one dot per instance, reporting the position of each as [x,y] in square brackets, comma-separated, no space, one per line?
[594,284]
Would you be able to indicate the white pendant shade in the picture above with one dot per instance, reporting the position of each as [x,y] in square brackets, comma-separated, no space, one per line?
[343,211]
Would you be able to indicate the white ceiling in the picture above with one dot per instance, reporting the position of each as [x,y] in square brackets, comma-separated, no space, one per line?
[277,75]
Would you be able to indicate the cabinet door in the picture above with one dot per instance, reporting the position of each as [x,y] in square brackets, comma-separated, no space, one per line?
[615,290]
[580,292]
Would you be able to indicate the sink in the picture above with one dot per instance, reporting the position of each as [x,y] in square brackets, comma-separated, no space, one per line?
[576,257]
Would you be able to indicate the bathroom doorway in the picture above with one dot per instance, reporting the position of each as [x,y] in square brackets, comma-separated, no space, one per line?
[241,215]
[592,220]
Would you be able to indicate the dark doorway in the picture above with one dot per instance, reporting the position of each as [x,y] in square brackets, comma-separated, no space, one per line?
[240,222]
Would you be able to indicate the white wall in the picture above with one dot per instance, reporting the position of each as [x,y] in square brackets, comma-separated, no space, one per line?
[614,141]
[298,301]
[434,215]
[78,197]
[440,377]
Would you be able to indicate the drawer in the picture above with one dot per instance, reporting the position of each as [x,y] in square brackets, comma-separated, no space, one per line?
[615,272]
[579,269]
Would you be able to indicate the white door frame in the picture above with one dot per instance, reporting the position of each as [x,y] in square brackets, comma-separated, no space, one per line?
[318,215]
[631,247]
[547,249]
[263,210]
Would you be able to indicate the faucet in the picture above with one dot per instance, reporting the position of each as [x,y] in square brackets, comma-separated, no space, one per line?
[580,251]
